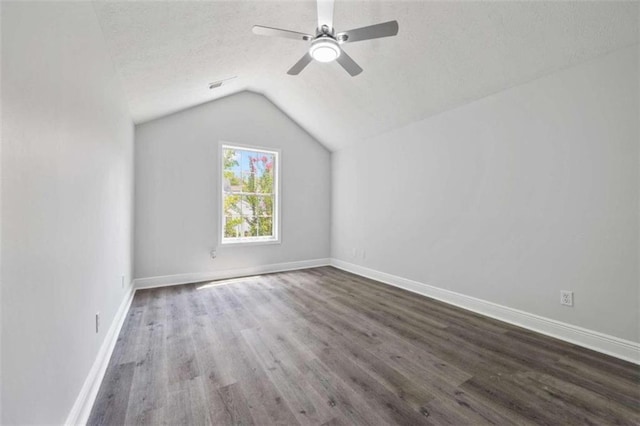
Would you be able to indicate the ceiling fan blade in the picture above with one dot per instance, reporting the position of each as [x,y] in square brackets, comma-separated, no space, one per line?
[276,32]
[386,29]
[325,13]
[349,64]
[299,66]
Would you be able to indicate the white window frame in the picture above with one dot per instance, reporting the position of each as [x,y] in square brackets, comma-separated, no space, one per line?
[248,241]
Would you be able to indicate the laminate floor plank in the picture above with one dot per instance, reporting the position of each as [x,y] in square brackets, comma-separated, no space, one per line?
[307,405]
[351,403]
[347,329]
[187,404]
[334,391]
[125,349]
[572,354]
[367,371]
[113,398]
[147,396]
[435,309]
[266,404]
[435,382]
[474,359]
[180,348]
[326,347]
[384,342]
[236,405]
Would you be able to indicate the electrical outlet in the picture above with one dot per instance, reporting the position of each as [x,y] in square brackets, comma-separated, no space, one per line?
[566,298]
[122,279]
[363,254]
[213,254]
[354,252]
[97,322]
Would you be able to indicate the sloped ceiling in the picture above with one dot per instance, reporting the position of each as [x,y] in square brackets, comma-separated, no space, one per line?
[446,54]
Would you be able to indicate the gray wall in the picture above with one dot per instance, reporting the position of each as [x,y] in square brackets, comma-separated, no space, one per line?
[509,199]
[177,173]
[67,185]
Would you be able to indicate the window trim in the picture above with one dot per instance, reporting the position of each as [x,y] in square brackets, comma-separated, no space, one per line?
[249,241]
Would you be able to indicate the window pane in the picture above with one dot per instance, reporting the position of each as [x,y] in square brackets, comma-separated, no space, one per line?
[232,205]
[248,161]
[232,226]
[264,174]
[265,225]
[231,159]
[265,206]
[250,226]
[249,205]
[248,182]
[269,158]
[232,181]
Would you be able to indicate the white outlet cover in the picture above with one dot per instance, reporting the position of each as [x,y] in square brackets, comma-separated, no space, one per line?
[566,298]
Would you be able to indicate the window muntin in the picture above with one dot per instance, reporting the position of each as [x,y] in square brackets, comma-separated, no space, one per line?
[249,195]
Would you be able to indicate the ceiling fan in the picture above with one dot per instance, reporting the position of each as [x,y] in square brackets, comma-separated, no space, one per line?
[326,45]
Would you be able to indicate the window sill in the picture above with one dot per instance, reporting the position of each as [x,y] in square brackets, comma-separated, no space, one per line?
[248,242]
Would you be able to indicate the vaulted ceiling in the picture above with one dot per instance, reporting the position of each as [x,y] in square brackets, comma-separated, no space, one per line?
[446,54]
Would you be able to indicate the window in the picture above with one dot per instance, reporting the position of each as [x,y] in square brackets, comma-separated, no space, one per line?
[250,198]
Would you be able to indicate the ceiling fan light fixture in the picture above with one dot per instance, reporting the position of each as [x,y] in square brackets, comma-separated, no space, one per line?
[324,50]
[325,45]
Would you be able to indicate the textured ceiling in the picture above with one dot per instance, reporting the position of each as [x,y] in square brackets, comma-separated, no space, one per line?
[446,54]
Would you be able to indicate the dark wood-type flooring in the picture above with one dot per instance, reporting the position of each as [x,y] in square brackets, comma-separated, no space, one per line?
[325,347]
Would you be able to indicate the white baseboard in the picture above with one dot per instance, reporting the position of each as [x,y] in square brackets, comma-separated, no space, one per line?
[81,409]
[169,280]
[610,345]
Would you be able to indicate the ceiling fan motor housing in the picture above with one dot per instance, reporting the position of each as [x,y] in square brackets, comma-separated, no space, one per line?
[325,30]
